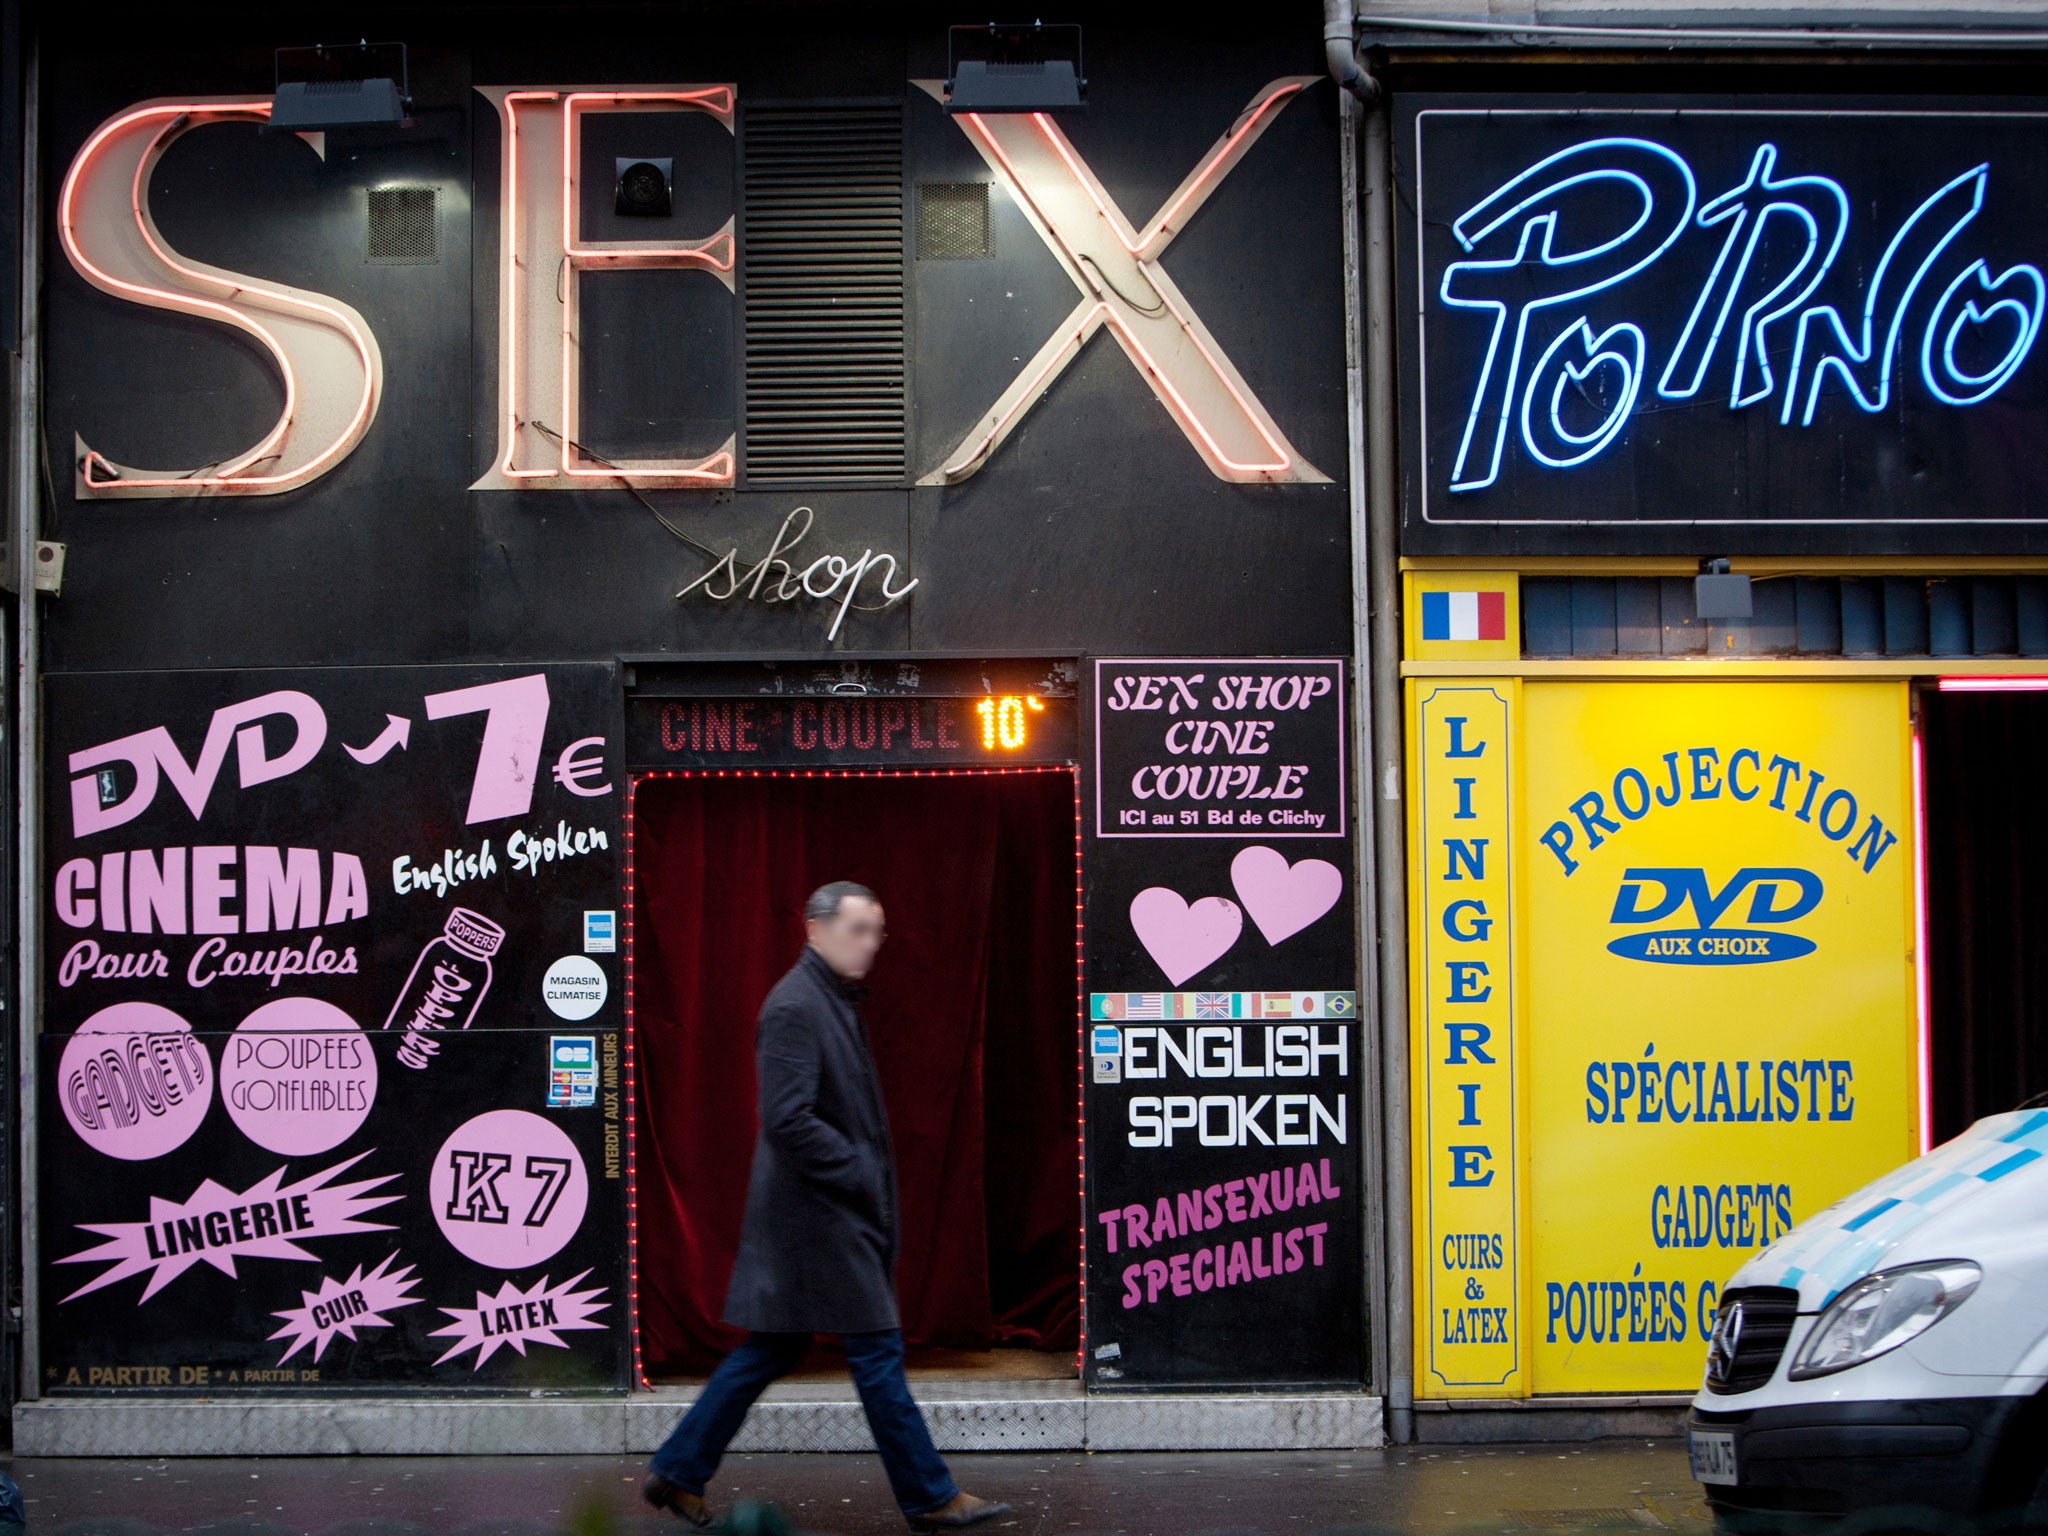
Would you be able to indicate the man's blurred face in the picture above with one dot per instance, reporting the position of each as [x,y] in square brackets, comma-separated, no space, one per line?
[848,939]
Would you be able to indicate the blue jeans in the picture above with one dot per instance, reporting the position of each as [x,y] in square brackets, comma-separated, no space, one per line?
[917,1473]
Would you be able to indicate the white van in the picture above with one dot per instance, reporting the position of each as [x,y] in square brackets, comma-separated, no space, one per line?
[1893,1350]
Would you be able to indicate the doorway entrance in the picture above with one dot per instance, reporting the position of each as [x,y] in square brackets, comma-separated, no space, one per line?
[973,1012]
[1982,745]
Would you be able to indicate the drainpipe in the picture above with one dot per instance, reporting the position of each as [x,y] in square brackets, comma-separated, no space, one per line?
[1370,1169]
[1340,52]
[1375,586]
[24,526]
[1391,828]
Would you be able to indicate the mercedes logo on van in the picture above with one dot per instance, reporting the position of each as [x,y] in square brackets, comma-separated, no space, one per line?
[1727,1338]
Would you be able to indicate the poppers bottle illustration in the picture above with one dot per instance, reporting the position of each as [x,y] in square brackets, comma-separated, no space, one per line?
[448,981]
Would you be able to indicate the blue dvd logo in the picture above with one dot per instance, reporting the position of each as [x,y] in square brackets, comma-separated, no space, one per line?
[1776,897]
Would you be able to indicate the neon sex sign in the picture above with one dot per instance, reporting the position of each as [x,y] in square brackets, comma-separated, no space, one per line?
[1635,273]
[331,370]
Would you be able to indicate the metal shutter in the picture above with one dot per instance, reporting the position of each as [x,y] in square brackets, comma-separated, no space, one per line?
[823,277]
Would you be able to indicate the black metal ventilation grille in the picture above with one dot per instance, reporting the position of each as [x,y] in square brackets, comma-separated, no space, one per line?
[823,277]
[952,221]
[400,231]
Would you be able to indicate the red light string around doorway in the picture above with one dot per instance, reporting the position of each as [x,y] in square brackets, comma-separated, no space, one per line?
[1923,1053]
[632,1117]
[1080,1004]
[1080,1085]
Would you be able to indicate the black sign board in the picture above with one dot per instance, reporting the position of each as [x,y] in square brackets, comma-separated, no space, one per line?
[840,730]
[1224,1139]
[331,1078]
[1726,326]
[1219,749]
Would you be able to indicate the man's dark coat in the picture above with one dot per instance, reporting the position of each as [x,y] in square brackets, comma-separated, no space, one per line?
[818,1248]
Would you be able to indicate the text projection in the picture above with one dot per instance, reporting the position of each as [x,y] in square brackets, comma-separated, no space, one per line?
[543,255]
[1728,316]
[325,354]
[1124,287]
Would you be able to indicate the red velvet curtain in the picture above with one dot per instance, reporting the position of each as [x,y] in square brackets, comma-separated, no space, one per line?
[971,1012]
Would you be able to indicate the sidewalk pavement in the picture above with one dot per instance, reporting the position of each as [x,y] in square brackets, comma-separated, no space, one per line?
[1624,1486]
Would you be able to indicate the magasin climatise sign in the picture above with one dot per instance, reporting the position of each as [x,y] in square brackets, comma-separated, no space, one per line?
[1662,317]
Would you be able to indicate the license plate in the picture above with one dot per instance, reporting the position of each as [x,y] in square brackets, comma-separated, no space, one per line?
[1713,1456]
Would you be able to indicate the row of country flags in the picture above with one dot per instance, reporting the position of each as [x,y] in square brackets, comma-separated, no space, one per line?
[1223,1005]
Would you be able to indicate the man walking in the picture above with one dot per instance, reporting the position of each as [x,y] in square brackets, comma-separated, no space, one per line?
[818,1245]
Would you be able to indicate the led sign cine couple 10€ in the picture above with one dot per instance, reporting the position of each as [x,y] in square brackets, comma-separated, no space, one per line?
[778,730]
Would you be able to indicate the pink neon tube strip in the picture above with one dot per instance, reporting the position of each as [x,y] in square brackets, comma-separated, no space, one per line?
[1994,685]
[1920,990]
[1163,219]
[716,100]
[719,466]
[1057,361]
[190,303]
[697,253]
[510,239]
[1180,406]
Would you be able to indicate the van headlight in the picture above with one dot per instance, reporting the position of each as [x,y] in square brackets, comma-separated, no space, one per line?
[1882,1311]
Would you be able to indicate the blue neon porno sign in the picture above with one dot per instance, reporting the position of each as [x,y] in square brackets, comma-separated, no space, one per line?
[1840,290]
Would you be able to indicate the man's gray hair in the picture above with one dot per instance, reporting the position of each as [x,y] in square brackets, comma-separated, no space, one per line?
[825,900]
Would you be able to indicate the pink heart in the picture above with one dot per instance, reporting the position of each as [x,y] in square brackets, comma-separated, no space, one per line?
[1283,899]
[1183,938]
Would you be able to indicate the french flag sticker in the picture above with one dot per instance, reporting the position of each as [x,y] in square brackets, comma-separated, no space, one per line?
[1464,615]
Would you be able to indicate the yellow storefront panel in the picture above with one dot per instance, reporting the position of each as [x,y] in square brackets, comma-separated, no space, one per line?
[1470,1337]
[1718,1039]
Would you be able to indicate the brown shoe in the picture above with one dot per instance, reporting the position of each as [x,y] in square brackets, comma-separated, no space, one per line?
[686,1506]
[960,1510]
